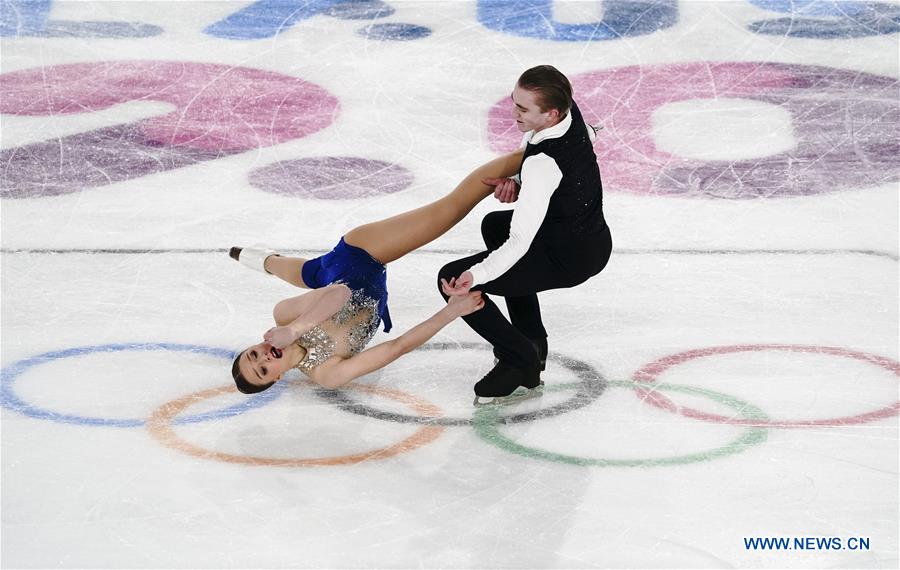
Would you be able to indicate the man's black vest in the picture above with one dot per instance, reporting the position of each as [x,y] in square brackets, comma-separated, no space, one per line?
[576,207]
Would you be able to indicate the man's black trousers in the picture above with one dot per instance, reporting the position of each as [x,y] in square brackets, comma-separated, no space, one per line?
[550,263]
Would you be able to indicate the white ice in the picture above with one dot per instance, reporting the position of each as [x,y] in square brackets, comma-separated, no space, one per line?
[143,261]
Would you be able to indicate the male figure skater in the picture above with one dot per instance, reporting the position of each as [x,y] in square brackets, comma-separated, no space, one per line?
[556,237]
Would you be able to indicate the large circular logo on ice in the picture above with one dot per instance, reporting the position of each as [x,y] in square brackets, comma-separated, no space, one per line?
[834,129]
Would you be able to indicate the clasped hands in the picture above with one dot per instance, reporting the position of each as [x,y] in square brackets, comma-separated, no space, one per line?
[505,189]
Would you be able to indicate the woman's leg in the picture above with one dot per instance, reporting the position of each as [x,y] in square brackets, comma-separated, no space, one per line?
[287,269]
[391,239]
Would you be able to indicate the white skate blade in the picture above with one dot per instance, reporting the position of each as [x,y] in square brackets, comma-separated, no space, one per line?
[521,394]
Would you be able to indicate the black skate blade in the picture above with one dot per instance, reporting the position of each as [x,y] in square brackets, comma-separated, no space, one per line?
[520,395]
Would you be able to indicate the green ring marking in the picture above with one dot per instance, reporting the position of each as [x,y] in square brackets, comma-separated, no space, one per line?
[488,429]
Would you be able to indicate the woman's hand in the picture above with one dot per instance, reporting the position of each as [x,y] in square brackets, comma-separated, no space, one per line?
[280,337]
[462,305]
[458,285]
[505,189]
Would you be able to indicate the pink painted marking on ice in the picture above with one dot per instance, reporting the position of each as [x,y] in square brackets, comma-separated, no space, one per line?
[650,373]
[844,123]
[879,414]
[219,107]
[654,398]
[623,101]
[332,177]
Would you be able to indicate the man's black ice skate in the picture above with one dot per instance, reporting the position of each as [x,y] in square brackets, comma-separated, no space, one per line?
[505,384]
[540,345]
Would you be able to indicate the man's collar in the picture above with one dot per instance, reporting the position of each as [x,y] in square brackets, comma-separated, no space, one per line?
[556,131]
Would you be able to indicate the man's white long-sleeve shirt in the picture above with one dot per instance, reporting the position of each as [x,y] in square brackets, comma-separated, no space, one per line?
[540,177]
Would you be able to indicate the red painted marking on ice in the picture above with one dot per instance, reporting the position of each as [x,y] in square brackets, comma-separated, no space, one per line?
[650,373]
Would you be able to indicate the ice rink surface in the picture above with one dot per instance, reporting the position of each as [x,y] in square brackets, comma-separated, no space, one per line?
[730,376]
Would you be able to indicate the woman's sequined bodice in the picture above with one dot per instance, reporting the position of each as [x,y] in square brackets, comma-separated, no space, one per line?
[347,332]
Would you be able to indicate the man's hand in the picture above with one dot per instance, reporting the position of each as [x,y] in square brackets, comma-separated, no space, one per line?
[458,285]
[505,189]
[462,305]
[280,337]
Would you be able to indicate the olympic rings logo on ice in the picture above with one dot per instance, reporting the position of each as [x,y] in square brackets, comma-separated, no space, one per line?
[430,419]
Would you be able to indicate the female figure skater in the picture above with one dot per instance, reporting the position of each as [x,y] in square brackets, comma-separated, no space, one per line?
[323,333]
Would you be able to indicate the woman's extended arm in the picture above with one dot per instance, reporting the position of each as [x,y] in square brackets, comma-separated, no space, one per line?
[298,314]
[383,354]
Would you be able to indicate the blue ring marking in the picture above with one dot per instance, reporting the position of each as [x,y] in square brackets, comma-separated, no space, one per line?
[30,18]
[394,31]
[835,8]
[620,20]
[267,18]
[828,19]
[18,17]
[9,399]
[360,10]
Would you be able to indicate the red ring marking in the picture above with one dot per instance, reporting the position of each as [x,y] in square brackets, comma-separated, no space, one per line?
[650,373]
[160,428]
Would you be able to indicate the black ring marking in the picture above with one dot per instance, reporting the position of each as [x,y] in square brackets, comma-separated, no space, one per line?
[592,385]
